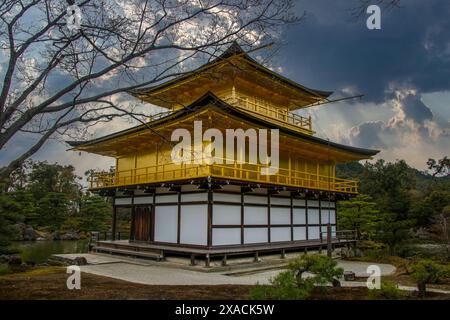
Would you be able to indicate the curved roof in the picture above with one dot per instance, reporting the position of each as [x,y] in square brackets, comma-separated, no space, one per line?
[209,99]
[234,50]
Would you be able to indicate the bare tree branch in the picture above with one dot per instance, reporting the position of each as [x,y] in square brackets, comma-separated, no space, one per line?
[57,81]
[359,10]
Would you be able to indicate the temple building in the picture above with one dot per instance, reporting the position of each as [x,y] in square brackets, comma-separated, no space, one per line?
[219,208]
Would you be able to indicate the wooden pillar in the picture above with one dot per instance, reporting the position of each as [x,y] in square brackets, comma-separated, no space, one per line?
[179,218]
[113,228]
[149,211]
[320,225]
[210,213]
[329,245]
[133,214]
[292,217]
[152,218]
[224,260]
[306,218]
[268,216]
[132,235]
[242,217]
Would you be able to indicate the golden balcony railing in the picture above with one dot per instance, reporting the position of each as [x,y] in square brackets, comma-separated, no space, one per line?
[243,172]
[282,115]
[263,108]
[266,109]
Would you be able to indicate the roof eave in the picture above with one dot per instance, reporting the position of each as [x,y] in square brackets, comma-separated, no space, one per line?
[233,50]
[211,98]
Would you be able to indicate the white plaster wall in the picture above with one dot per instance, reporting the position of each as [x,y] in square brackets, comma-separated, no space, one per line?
[313,216]
[280,215]
[313,233]
[255,235]
[227,197]
[194,224]
[299,215]
[298,202]
[143,200]
[226,236]
[255,215]
[332,216]
[299,233]
[324,215]
[201,196]
[122,201]
[313,203]
[166,223]
[255,199]
[226,214]
[280,234]
[280,201]
[166,198]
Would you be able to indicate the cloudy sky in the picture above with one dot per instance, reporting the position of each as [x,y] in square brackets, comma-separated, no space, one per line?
[403,70]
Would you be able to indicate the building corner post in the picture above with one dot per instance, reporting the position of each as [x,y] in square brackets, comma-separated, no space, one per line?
[329,243]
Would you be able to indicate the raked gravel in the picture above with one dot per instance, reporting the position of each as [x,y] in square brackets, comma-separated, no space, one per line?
[163,275]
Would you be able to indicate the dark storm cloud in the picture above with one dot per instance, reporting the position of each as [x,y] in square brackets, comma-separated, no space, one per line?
[393,67]
[413,108]
[412,121]
[333,51]
[368,134]
[329,50]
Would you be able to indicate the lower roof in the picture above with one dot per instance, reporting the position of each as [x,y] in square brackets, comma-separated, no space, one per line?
[208,99]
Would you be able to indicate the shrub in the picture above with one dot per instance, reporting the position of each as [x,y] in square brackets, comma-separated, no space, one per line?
[292,285]
[429,251]
[388,291]
[283,287]
[407,251]
[4,270]
[425,272]
[323,268]
[371,245]
[376,254]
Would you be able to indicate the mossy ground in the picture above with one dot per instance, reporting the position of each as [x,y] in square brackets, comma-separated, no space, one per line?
[50,283]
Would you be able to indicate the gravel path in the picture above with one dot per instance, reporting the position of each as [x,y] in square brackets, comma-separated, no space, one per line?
[163,275]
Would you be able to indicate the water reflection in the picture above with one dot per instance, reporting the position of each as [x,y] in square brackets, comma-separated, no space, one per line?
[40,251]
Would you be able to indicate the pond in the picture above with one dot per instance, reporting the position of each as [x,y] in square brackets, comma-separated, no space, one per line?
[40,251]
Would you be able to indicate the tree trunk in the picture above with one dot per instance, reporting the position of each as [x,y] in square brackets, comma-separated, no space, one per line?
[5,182]
[6,171]
[336,283]
[422,286]
[447,250]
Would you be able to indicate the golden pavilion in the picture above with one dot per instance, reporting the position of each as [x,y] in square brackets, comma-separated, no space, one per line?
[223,208]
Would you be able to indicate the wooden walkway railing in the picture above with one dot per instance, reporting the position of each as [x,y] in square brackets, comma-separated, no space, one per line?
[107,235]
[340,235]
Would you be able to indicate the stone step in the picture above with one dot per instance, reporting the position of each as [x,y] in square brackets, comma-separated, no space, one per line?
[148,255]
